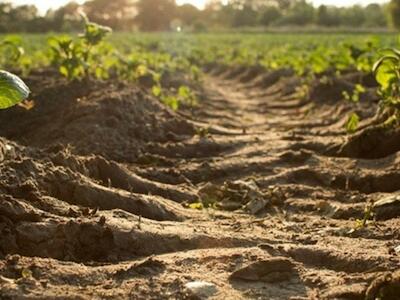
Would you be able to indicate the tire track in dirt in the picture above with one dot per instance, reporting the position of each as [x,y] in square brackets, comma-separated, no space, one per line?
[325,193]
[91,228]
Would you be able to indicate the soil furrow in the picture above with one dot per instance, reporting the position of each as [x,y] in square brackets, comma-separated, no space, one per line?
[252,191]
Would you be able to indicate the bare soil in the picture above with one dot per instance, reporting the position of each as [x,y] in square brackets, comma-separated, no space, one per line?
[98,184]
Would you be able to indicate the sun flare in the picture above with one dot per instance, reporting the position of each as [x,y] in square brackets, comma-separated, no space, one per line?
[197,3]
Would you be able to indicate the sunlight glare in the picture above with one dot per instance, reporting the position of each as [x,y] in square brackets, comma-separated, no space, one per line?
[197,3]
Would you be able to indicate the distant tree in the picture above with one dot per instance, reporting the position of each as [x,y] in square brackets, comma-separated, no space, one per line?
[40,25]
[66,18]
[24,12]
[160,15]
[394,12]
[322,15]
[199,26]
[217,14]
[374,16]
[21,17]
[244,16]
[269,15]
[155,15]
[117,14]
[353,16]
[327,16]
[188,14]
[300,13]
[281,4]
[5,9]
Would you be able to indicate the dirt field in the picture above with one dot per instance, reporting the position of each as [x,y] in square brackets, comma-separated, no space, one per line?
[98,183]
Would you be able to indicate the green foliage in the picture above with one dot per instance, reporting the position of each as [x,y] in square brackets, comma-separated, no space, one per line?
[159,61]
[369,216]
[174,99]
[387,74]
[11,51]
[12,54]
[12,90]
[83,57]
[94,33]
[352,123]
[186,95]
[355,96]
[68,56]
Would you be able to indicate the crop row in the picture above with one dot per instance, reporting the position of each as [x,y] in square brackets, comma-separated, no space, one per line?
[154,60]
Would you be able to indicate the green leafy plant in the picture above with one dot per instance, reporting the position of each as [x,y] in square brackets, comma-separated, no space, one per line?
[94,33]
[184,95]
[12,90]
[353,119]
[387,74]
[11,51]
[68,56]
[77,58]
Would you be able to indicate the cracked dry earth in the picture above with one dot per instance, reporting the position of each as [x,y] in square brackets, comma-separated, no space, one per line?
[99,210]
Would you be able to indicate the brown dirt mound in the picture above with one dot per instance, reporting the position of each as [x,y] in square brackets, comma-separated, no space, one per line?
[110,119]
[329,91]
[372,142]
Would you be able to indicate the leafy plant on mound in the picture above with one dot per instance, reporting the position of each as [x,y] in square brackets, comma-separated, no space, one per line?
[80,58]
[387,74]
[12,90]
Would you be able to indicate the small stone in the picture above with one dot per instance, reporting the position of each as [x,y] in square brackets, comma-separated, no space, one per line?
[256,205]
[387,207]
[201,289]
[269,270]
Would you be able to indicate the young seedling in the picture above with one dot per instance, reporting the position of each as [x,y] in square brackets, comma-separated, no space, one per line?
[368,216]
[387,74]
[352,123]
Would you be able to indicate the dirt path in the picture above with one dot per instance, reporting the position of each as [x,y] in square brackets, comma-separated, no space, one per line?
[264,148]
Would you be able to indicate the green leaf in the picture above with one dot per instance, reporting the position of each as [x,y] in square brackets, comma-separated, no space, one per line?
[184,91]
[383,60]
[157,91]
[352,123]
[94,33]
[12,90]
[385,70]
[171,101]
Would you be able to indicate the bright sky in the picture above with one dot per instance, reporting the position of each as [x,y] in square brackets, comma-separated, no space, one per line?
[43,5]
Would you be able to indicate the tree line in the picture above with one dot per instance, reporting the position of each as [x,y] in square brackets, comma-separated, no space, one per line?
[163,15]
